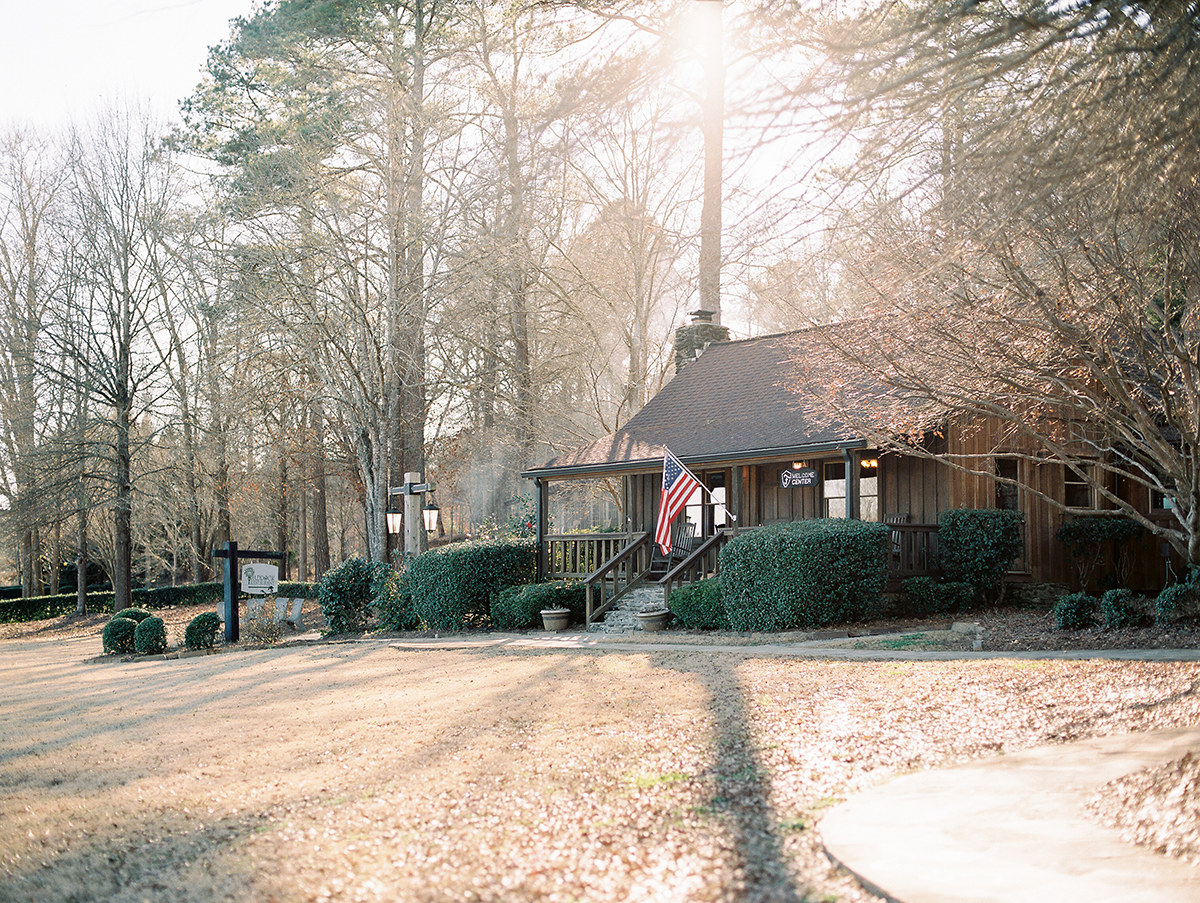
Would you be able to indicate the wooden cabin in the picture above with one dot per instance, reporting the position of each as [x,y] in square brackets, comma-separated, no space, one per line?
[731,418]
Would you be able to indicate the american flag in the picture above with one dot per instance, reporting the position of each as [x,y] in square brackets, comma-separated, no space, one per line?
[678,486]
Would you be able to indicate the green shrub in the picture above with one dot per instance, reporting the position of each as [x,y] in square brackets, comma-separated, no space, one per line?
[118,635]
[1177,601]
[978,545]
[804,574]
[41,607]
[453,588]
[698,605]
[1093,539]
[150,637]
[347,593]
[1118,609]
[1075,611]
[134,614]
[519,607]
[393,600]
[298,590]
[201,632]
[924,596]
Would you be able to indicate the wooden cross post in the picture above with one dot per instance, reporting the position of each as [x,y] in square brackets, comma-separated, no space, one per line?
[229,598]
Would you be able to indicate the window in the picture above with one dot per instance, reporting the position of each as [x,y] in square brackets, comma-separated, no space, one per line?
[1160,501]
[1007,496]
[868,486]
[1079,491]
[834,483]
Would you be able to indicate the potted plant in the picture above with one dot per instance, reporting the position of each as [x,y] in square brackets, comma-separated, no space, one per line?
[556,619]
[654,619]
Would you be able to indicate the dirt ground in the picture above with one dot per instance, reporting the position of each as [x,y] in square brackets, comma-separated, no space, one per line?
[359,771]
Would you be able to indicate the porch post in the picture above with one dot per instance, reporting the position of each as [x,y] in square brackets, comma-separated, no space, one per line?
[736,493]
[851,459]
[540,492]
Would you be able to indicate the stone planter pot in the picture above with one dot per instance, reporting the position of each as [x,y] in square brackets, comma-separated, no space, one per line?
[556,619]
[654,620]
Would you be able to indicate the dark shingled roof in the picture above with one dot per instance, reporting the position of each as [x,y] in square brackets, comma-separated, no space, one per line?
[731,403]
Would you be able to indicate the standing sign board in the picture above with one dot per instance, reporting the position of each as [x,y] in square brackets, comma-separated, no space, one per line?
[805,476]
[260,579]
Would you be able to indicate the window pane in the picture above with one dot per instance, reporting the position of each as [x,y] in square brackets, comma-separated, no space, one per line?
[835,507]
[835,489]
[868,508]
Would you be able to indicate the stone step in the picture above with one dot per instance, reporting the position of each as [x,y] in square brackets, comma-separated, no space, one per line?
[622,618]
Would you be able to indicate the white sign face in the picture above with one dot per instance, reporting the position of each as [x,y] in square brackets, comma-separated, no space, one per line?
[260,579]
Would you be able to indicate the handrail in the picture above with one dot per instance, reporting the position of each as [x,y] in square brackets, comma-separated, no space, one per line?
[577,555]
[694,565]
[622,571]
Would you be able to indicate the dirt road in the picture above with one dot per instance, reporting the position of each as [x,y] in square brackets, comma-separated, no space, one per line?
[359,771]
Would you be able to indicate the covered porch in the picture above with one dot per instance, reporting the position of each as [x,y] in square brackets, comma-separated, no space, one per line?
[842,481]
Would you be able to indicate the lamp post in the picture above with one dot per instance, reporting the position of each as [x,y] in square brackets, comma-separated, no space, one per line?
[414,516]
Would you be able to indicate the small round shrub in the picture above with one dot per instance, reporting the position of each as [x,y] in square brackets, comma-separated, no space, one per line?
[1075,611]
[924,596]
[118,635]
[201,632]
[150,637]
[1118,609]
[698,605]
[134,614]
[1179,600]
[978,545]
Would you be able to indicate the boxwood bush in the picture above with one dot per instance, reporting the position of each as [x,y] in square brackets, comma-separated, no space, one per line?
[42,607]
[698,605]
[453,588]
[804,574]
[201,632]
[348,591]
[134,614]
[1119,609]
[519,607]
[392,600]
[978,545]
[118,635]
[1179,600]
[1076,611]
[925,596]
[150,636]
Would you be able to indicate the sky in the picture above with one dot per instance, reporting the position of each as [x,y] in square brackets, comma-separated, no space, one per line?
[63,60]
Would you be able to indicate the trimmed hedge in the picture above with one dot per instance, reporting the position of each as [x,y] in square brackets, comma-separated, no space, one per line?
[347,594]
[1179,600]
[118,635]
[1118,609]
[453,588]
[804,574]
[134,614]
[978,545]
[521,606]
[201,632]
[150,637]
[1076,611]
[698,605]
[924,596]
[393,601]
[41,607]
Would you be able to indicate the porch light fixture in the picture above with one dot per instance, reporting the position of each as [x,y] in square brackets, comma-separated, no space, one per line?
[395,520]
[870,463]
[799,465]
[429,514]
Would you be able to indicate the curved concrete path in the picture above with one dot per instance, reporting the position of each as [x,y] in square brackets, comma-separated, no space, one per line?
[1011,830]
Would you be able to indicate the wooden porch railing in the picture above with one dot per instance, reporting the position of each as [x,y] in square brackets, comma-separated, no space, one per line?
[914,550]
[618,575]
[577,555]
[702,563]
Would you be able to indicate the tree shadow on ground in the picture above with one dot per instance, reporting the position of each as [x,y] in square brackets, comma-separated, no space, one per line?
[742,796]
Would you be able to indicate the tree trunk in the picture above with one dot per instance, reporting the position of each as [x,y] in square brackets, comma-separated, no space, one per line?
[123,514]
[281,518]
[56,558]
[81,563]
[319,509]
